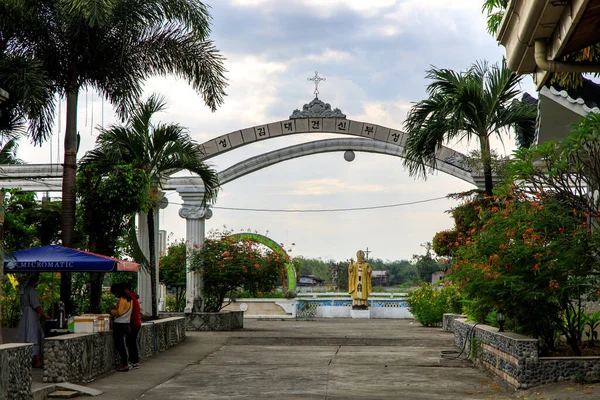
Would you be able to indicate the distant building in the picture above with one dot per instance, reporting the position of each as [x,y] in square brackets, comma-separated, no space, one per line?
[438,276]
[380,278]
[310,280]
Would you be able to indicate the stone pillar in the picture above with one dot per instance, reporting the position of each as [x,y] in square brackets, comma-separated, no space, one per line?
[195,216]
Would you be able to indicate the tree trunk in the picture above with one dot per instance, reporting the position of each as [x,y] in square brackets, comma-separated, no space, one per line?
[1,253]
[68,192]
[152,260]
[96,279]
[486,159]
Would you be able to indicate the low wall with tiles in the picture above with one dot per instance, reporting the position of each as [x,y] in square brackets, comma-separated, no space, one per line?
[15,371]
[264,308]
[83,357]
[515,359]
[219,321]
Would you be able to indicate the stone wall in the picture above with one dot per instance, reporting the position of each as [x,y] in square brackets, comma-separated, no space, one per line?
[83,357]
[515,358]
[15,371]
[219,321]
[448,320]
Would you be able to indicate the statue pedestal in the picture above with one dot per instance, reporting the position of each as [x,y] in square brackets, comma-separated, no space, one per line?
[360,314]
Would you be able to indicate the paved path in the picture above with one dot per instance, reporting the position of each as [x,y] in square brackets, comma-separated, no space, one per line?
[316,359]
[305,359]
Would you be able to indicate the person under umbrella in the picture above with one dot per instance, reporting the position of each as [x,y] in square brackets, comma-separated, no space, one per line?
[29,330]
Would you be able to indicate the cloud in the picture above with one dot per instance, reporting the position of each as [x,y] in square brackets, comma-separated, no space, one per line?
[330,55]
[374,55]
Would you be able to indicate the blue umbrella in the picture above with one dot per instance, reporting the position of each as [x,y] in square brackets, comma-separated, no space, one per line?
[59,259]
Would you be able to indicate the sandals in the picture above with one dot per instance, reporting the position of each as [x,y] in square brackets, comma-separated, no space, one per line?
[123,369]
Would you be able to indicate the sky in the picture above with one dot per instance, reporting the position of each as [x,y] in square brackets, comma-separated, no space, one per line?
[374,56]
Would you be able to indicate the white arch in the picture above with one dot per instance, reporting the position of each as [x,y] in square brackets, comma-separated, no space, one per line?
[342,126]
[329,145]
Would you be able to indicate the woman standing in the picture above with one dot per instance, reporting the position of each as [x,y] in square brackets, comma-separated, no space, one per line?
[122,313]
[30,330]
[135,326]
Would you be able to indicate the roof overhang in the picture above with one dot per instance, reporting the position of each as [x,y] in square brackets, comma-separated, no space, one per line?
[564,26]
[557,113]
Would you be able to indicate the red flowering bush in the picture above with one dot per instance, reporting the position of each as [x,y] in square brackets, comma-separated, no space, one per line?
[536,259]
[228,267]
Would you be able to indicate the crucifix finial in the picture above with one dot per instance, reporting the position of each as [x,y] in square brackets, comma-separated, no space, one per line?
[316,79]
[367,252]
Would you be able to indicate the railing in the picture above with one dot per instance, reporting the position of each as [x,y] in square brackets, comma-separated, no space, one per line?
[308,303]
[347,295]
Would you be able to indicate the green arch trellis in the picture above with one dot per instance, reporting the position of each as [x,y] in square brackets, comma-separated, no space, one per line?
[258,238]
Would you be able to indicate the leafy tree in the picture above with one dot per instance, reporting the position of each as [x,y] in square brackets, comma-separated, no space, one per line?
[338,274]
[494,9]
[400,271]
[111,47]
[109,201]
[229,267]
[426,264]
[158,149]
[474,103]
[536,260]
[569,169]
[312,266]
[27,224]
[172,272]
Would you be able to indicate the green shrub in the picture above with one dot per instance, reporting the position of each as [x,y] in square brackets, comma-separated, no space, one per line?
[428,305]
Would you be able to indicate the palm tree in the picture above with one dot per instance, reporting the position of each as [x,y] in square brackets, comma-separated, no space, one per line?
[26,83]
[159,149]
[8,155]
[111,47]
[479,102]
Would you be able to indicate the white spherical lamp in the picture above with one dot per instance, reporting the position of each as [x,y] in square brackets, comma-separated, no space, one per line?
[349,155]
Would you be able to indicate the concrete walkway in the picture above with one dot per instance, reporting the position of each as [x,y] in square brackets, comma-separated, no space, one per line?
[315,359]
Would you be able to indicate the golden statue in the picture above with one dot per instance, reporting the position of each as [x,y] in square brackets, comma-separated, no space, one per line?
[359,281]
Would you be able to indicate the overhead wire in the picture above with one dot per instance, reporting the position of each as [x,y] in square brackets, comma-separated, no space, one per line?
[325,209]
[43,182]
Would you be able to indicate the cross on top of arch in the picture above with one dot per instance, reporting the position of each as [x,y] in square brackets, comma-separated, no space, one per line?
[316,79]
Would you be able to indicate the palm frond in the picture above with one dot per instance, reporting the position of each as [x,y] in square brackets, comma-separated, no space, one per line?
[160,149]
[475,103]
[8,153]
[193,15]
[31,99]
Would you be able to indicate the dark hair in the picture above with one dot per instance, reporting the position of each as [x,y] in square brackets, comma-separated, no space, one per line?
[119,290]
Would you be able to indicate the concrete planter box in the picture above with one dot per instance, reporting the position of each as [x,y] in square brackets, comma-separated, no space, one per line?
[514,357]
[219,321]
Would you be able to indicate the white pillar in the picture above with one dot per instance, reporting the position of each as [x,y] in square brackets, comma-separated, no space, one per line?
[195,216]
[144,281]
